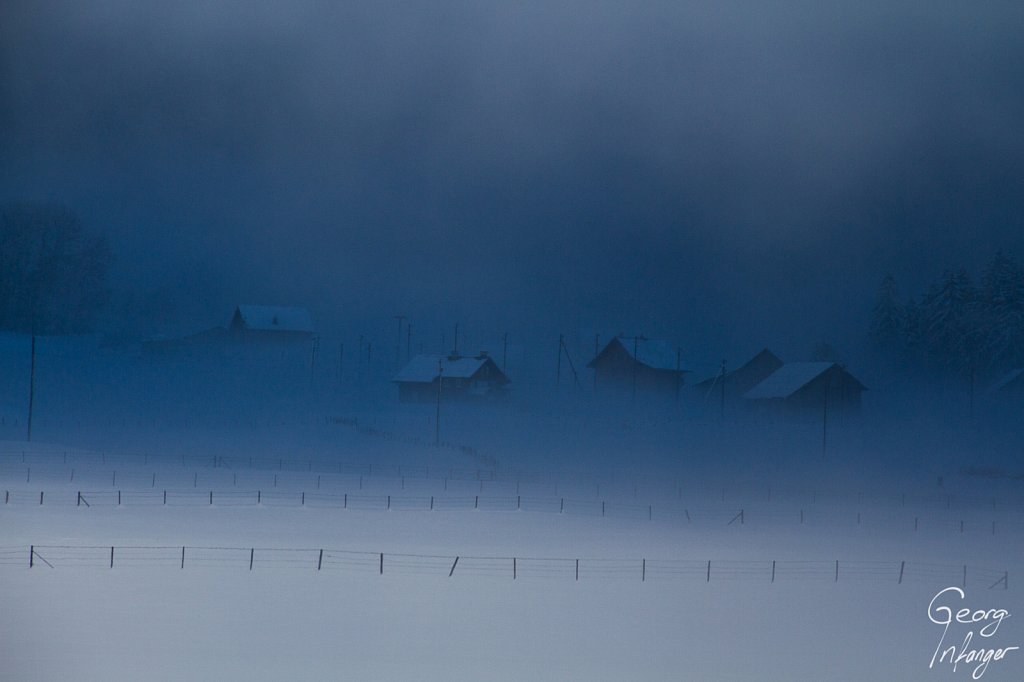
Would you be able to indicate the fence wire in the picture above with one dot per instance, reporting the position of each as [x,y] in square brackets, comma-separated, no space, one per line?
[346,561]
[670,510]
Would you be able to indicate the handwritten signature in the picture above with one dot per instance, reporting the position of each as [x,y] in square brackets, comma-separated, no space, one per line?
[984,622]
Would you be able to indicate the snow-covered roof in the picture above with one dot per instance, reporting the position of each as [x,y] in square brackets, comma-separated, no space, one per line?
[275,318]
[423,368]
[1007,379]
[653,353]
[788,379]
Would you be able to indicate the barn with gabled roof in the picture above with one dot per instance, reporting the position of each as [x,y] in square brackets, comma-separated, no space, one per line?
[265,318]
[808,385]
[460,377]
[639,365]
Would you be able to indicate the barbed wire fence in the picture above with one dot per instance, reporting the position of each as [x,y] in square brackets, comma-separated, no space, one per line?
[60,557]
[274,472]
[703,515]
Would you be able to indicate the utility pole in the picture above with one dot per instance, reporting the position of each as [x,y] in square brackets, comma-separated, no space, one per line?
[636,361]
[341,363]
[721,414]
[562,348]
[971,406]
[679,373]
[312,359]
[437,417]
[824,420]
[558,366]
[31,386]
[360,370]
[398,343]
[504,353]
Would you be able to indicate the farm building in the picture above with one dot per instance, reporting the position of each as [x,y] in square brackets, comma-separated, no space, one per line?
[732,385]
[271,322]
[256,326]
[638,365]
[800,386]
[461,378]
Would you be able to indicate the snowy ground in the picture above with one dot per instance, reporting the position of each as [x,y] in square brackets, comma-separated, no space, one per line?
[643,607]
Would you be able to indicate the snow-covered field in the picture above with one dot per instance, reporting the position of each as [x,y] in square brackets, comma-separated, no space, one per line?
[329,552]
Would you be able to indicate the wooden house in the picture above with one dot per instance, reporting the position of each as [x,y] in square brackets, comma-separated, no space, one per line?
[461,378]
[807,386]
[271,323]
[638,365]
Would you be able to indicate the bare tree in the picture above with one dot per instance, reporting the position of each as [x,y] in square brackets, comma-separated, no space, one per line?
[52,272]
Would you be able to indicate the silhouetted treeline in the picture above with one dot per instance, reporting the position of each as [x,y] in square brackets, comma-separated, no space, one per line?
[52,272]
[956,326]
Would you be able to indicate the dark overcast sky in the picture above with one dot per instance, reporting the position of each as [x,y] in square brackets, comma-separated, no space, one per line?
[725,174]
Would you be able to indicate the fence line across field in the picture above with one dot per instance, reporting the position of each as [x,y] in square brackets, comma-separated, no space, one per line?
[88,499]
[514,567]
[327,472]
[194,498]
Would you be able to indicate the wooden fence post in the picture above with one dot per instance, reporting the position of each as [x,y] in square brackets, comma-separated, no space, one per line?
[182,557]
[320,561]
[252,555]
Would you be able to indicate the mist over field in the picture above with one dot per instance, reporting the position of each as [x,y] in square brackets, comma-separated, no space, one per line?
[462,340]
